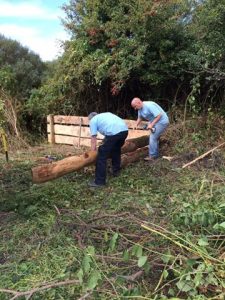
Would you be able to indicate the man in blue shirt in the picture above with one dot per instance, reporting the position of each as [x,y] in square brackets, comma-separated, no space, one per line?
[115,131]
[158,122]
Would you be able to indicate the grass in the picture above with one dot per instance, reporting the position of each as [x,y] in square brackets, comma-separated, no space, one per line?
[155,232]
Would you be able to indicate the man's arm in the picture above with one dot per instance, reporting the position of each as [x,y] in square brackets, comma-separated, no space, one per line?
[151,125]
[138,122]
[93,142]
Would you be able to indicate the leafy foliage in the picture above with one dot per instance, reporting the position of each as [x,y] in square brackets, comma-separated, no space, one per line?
[117,48]
[21,70]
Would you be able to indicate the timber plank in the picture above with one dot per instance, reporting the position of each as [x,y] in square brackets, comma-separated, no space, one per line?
[71,140]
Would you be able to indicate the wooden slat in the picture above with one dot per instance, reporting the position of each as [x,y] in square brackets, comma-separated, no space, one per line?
[85,131]
[70,140]
[75,120]
[73,131]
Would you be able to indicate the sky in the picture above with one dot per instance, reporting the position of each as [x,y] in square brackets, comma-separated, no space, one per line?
[35,24]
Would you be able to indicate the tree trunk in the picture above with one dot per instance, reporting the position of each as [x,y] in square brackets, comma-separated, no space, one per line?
[67,165]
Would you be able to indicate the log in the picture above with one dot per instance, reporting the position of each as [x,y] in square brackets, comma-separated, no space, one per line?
[67,165]
[131,157]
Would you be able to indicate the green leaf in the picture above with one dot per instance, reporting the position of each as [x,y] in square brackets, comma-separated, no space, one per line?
[142,260]
[198,279]
[106,236]
[112,244]
[147,267]
[94,277]
[137,251]
[80,275]
[91,250]
[184,286]
[166,257]
[171,292]
[86,263]
[165,274]
[126,256]
[222,225]
[203,241]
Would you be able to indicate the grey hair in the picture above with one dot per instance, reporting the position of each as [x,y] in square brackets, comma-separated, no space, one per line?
[91,115]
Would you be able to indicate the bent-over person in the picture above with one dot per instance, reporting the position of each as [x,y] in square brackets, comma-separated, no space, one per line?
[157,123]
[115,132]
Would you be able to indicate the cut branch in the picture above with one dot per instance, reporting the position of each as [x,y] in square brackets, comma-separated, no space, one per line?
[35,290]
[202,156]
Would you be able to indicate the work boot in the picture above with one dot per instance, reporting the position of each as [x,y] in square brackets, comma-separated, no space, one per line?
[148,158]
[116,174]
[93,184]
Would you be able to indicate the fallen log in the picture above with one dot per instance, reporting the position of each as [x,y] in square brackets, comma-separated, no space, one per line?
[67,165]
[131,157]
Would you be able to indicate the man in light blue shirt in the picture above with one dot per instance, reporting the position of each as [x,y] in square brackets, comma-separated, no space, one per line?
[115,131]
[158,122]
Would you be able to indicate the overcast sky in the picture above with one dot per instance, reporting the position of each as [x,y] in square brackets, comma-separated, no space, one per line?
[35,24]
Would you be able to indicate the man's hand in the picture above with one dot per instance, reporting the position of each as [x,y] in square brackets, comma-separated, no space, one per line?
[137,123]
[150,126]
[94,142]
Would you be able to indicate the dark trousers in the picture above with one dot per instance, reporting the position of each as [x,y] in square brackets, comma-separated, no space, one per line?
[111,148]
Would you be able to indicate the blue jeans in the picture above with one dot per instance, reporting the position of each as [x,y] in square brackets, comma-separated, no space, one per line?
[154,139]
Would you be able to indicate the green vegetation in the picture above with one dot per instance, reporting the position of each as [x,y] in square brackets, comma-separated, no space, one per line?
[155,232]
[172,51]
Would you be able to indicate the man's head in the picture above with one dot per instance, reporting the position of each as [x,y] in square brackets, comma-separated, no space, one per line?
[91,115]
[136,103]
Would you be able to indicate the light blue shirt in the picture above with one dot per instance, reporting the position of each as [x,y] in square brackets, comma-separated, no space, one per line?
[107,124]
[151,110]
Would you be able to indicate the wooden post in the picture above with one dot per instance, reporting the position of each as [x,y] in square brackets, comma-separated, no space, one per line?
[81,121]
[52,130]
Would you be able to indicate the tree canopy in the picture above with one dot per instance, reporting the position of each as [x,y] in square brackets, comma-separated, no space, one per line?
[172,51]
[21,69]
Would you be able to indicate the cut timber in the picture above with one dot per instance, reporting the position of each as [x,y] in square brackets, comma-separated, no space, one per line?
[67,165]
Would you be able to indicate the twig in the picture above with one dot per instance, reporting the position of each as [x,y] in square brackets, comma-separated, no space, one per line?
[108,216]
[132,277]
[85,296]
[202,156]
[35,290]
[57,210]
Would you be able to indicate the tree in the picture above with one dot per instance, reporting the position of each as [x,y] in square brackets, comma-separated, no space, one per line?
[207,62]
[21,72]
[24,67]
[118,49]
[125,48]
